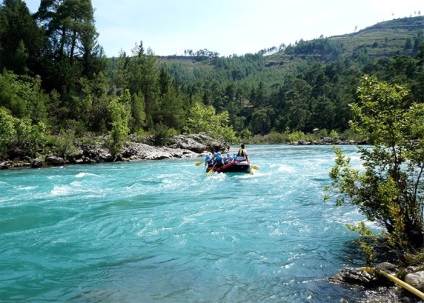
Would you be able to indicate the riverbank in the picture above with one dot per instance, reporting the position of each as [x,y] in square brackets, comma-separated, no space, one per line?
[376,288]
[182,146]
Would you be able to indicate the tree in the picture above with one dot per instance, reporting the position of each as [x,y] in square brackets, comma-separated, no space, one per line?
[388,189]
[119,110]
[69,25]
[23,96]
[172,109]
[297,100]
[21,39]
[142,78]
[261,122]
[204,119]
[138,112]
[73,51]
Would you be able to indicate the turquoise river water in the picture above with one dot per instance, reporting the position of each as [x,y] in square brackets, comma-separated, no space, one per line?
[165,231]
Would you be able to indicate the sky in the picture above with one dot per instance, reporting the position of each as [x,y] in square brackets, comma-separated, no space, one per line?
[233,27]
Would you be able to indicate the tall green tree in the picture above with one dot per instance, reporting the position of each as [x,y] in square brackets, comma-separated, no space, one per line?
[73,51]
[298,107]
[119,111]
[69,24]
[142,78]
[21,40]
[172,110]
[261,120]
[388,189]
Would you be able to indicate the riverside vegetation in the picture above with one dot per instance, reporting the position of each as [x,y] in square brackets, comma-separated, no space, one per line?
[58,88]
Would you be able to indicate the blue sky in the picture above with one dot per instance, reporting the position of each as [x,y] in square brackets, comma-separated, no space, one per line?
[230,27]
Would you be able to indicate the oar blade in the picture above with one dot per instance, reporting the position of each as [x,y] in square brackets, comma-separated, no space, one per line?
[198,163]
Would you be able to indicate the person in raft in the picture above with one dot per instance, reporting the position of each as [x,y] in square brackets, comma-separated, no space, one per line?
[242,154]
[217,159]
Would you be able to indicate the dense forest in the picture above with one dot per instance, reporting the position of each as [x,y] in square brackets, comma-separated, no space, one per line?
[56,83]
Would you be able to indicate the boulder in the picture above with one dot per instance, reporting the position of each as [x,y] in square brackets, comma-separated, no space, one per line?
[6,164]
[55,160]
[198,143]
[387,267]
[141,151]
[353,277]
[187,142]
[36,163]
[416,280]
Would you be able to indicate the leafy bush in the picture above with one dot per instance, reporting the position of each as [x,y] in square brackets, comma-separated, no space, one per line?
[388,190]
[64,143]
[20,133]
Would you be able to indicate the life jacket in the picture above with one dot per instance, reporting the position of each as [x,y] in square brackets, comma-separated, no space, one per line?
[240,153]
[218,157]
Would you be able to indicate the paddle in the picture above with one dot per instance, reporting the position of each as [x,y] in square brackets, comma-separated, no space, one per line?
[211,171]
[198,163]
[252,167]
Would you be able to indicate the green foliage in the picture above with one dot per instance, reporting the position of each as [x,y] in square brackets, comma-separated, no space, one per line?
[276,138]
[335,136]
[119,110]
[245,135]
[64,143]
[296,136]
[23,96]
[416,259]
[367,242]
[161,135]
[387,189]
[261,121]
[7,129]
[204,119]
[138,112]
[21,38]
[20,133]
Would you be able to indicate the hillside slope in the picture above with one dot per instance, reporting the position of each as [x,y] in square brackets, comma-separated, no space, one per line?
[384,39]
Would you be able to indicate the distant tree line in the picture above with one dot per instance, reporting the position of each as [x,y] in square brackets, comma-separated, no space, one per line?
[315,94]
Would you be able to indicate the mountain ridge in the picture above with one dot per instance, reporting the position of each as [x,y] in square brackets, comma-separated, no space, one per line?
[383,39]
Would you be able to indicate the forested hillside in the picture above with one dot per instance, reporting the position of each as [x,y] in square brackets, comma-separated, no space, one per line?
[57,85]
[307,85]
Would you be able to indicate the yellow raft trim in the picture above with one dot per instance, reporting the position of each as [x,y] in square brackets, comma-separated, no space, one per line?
[396,280]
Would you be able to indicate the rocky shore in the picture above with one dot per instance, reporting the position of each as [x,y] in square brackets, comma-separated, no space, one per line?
[183,146]
[375,288]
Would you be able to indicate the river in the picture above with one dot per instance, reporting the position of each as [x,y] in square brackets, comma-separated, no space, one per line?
[165,231]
